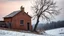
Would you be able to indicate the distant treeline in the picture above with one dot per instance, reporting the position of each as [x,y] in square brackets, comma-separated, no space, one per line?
[51,25]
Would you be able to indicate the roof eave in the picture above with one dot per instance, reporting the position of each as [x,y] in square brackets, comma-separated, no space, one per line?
[7,17]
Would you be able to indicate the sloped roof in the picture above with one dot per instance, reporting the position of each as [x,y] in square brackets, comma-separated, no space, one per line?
[13,14]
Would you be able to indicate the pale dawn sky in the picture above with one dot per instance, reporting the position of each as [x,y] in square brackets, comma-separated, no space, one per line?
[8,6]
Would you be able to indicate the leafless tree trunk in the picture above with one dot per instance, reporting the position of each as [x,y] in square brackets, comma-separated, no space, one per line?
[36,24]
[43,7]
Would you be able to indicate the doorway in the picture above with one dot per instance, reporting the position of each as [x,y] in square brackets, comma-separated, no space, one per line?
[28,26]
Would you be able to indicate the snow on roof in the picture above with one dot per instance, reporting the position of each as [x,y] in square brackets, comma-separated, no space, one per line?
[12,14]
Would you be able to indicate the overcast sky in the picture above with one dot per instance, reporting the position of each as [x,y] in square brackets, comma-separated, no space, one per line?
[8,6]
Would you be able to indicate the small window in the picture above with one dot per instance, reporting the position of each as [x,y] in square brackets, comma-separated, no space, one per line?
[21,22]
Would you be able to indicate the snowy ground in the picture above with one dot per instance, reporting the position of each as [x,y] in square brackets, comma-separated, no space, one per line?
[53,32]
[14,33]
[56,32]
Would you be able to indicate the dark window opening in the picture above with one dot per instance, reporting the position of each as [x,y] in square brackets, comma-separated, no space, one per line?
[21,22]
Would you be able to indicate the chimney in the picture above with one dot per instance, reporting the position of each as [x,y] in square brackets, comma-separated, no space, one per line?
[27,12]
[22,8]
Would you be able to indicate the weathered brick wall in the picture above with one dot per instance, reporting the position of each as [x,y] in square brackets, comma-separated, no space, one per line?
[16,21]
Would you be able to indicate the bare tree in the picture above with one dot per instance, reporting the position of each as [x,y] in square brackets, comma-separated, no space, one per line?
[42,8]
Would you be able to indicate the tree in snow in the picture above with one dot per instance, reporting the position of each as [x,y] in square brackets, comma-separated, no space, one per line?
[44,9]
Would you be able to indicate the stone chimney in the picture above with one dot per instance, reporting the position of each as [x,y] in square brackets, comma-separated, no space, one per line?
[22,8]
